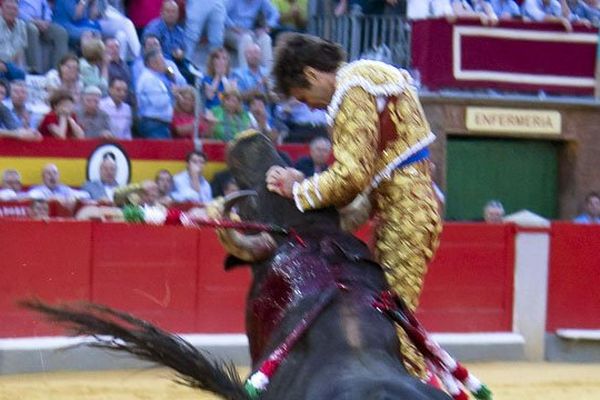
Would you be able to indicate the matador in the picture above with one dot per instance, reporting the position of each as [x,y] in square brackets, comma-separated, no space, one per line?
[380,145]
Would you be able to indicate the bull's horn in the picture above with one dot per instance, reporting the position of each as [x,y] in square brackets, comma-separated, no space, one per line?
[249,248]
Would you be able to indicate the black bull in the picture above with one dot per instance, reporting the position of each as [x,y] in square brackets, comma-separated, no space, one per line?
[349,351]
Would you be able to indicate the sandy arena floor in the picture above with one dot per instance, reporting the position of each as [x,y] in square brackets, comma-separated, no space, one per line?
[509,381]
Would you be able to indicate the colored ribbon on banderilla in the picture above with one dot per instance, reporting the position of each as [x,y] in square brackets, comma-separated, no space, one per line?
[257,383]
[453,374]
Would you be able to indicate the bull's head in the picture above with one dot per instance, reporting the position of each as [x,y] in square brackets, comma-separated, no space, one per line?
[249,158]
[248,248]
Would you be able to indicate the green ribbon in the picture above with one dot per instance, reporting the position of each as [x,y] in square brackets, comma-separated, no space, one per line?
[253,392]
[133,214]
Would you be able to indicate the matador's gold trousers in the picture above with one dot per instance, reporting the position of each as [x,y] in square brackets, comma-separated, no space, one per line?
[406,237]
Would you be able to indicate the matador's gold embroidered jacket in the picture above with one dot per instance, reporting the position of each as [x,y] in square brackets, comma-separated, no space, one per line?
[364,156]
[378,123]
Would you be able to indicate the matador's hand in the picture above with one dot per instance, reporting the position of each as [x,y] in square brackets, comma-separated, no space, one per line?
[281,180]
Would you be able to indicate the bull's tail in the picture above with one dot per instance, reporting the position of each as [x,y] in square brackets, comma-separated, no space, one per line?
[119,331]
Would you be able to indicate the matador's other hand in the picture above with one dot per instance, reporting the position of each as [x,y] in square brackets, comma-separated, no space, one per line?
[281,180]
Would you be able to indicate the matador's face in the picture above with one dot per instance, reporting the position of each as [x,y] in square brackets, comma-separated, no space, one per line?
[321,86]
[311,97]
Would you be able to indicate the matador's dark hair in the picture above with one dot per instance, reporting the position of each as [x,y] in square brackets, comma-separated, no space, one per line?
[295,51]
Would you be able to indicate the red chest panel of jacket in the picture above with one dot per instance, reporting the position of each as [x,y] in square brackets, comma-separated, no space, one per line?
[387,128]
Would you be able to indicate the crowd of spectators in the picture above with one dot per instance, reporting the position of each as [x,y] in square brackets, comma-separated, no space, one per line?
[187,187]
[132,74]
[493,211]
[490,11]
[226,45]
[115,72]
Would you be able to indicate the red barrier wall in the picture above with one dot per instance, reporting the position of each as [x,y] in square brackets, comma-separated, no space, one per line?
[46,260]
[469,287]
[151,270]
[173,276]
[574,277]
[221,295]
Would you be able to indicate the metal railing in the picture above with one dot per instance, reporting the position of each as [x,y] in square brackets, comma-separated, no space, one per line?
[382,37]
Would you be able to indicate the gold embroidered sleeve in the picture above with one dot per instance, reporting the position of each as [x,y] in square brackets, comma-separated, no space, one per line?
[355,137]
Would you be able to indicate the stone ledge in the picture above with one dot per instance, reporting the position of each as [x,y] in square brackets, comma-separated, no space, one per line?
[28,355]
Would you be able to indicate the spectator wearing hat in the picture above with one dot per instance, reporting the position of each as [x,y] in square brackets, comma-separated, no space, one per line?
[61,121]
[94,121]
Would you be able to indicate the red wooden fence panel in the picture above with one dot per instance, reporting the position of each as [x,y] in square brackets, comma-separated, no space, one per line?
[221,295]
[149,271]
[174,276]
[574,277]
[469,287]
[46,260]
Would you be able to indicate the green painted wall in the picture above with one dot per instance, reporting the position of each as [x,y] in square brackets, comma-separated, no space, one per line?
[522,174]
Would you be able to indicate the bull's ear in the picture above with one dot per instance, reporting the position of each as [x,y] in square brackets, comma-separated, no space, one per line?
[232,262]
